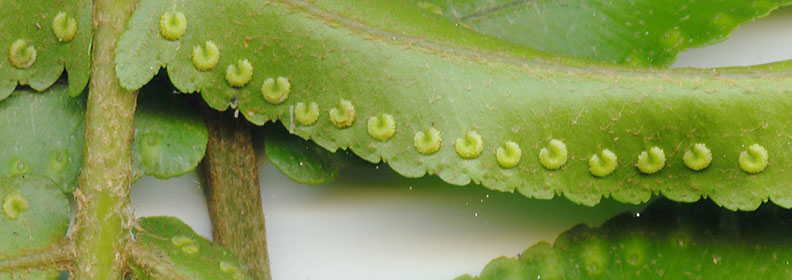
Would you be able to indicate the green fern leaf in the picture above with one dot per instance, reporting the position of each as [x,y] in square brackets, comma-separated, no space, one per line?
[435,78]
[42,134]
[667,240]
[34,22]
[189,255]
[34,215]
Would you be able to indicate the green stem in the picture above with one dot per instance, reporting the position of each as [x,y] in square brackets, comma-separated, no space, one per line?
[104,182]
[232,191]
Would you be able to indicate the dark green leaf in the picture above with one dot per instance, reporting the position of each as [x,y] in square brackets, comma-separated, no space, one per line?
[192,256]
[32,21]
[34,215]
[668,240]
[301,160]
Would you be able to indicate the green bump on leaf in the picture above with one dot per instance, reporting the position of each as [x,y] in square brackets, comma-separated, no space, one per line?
[753,160]
[190,249]
[173,25]
[205,57]
[228,268]
[239,74]
[46,132]
[14,204]
[381,127]
[150,148]
[508,155]
[181,240]
[343,115]
[306,115]
[604,164]
[672,38]
[428,141]
[554,155]
[170,135]
[698,157]
[428,71]
[57,162]
[195,258]
[35,216]
[595,257]
[231,269]
[714,243]
[470,146]
[21,54]
[651,162]
[18,167]
[45,25]
[634,250]
[276,91]
[64,27]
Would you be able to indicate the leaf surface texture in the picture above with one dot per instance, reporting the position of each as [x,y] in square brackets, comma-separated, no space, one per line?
[427,72]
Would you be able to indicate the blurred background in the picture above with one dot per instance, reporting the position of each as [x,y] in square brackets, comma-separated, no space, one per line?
[374,224]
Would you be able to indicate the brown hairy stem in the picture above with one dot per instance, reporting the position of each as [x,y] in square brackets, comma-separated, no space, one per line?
[232,191]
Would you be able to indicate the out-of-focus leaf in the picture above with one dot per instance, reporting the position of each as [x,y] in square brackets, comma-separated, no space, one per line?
[668,240]
[649,33]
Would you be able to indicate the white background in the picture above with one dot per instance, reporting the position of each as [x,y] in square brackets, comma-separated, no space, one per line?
[373,224]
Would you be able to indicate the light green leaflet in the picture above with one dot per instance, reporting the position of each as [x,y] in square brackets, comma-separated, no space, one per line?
[34,215]
[666,241]
[623,31]
[427,72]
[42,134]
[32,22]
[190,255]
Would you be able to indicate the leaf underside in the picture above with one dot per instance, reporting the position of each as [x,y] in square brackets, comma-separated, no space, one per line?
[43,224]
[668,240]
[427,72]
[172,238]
[32,21]
[42,134]
[635,32]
